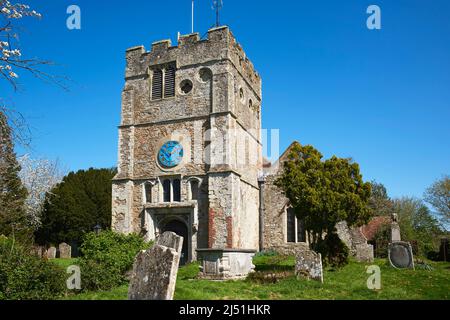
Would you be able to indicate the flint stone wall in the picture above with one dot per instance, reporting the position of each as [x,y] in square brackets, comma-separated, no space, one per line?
[215,103]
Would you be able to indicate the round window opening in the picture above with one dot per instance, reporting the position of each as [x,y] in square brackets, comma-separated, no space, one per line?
[205,74]
[186,86]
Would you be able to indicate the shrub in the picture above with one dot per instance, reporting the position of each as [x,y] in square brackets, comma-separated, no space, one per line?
[334,252]
[24,276]
[106,258]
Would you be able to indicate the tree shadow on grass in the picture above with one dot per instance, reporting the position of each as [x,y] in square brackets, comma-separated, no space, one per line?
[273,267]
[274,263]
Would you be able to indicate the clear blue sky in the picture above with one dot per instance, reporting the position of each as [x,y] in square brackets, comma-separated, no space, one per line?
[381,97]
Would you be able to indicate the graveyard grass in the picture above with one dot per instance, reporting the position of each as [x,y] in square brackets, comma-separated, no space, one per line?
[343,284]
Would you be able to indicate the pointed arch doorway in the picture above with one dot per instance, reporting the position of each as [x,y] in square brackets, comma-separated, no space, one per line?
[180,229]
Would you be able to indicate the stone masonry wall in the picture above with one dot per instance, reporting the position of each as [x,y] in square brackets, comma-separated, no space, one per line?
[274,202]
[230,99]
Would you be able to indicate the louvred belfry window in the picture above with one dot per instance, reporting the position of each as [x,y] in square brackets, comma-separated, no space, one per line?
[157,84]
[169,82]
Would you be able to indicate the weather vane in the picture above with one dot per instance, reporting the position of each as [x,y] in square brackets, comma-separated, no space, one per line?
[217,5]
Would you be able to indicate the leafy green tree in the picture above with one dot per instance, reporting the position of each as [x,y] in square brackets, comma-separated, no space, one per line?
[438,195]
[13,219]
[380,203]
[417,224]
[76,205]
[324,193]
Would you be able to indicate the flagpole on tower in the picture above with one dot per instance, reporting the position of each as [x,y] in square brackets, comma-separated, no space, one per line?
[217,5]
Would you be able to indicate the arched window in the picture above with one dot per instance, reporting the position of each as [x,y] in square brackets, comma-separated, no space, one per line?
[166,190]
[157,85]
[194,189]
[176,184]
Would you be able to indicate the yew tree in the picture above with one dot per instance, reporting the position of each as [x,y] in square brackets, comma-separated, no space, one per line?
[76,205]
[323,193]
[13,220]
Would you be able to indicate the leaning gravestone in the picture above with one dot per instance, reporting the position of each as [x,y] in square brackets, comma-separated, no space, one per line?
[400,255]
[155,270]
[171,240]
[51,253]
[309,265]
[65,251]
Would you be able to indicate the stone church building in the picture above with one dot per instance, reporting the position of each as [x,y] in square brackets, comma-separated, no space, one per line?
[190,155]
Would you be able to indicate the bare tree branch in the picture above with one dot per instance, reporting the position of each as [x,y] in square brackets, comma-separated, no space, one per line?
[10,53]
[21,131]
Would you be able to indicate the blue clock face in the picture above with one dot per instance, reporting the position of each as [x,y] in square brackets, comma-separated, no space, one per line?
[170,154]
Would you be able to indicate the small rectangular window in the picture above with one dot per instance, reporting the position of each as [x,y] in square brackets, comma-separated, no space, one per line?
[157,85]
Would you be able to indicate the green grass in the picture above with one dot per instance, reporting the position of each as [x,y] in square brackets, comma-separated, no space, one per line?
[64,263]
[119,293]
[346,283]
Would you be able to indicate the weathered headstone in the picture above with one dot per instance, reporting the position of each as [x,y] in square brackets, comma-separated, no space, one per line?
[65,251]
[171,240]
[400,255]
[309,265]
[38,251]
[51,253]
[155,270]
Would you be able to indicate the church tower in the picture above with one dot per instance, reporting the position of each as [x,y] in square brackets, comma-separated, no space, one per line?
[190,150]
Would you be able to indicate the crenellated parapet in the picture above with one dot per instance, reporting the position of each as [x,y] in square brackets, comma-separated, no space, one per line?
[220,45]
